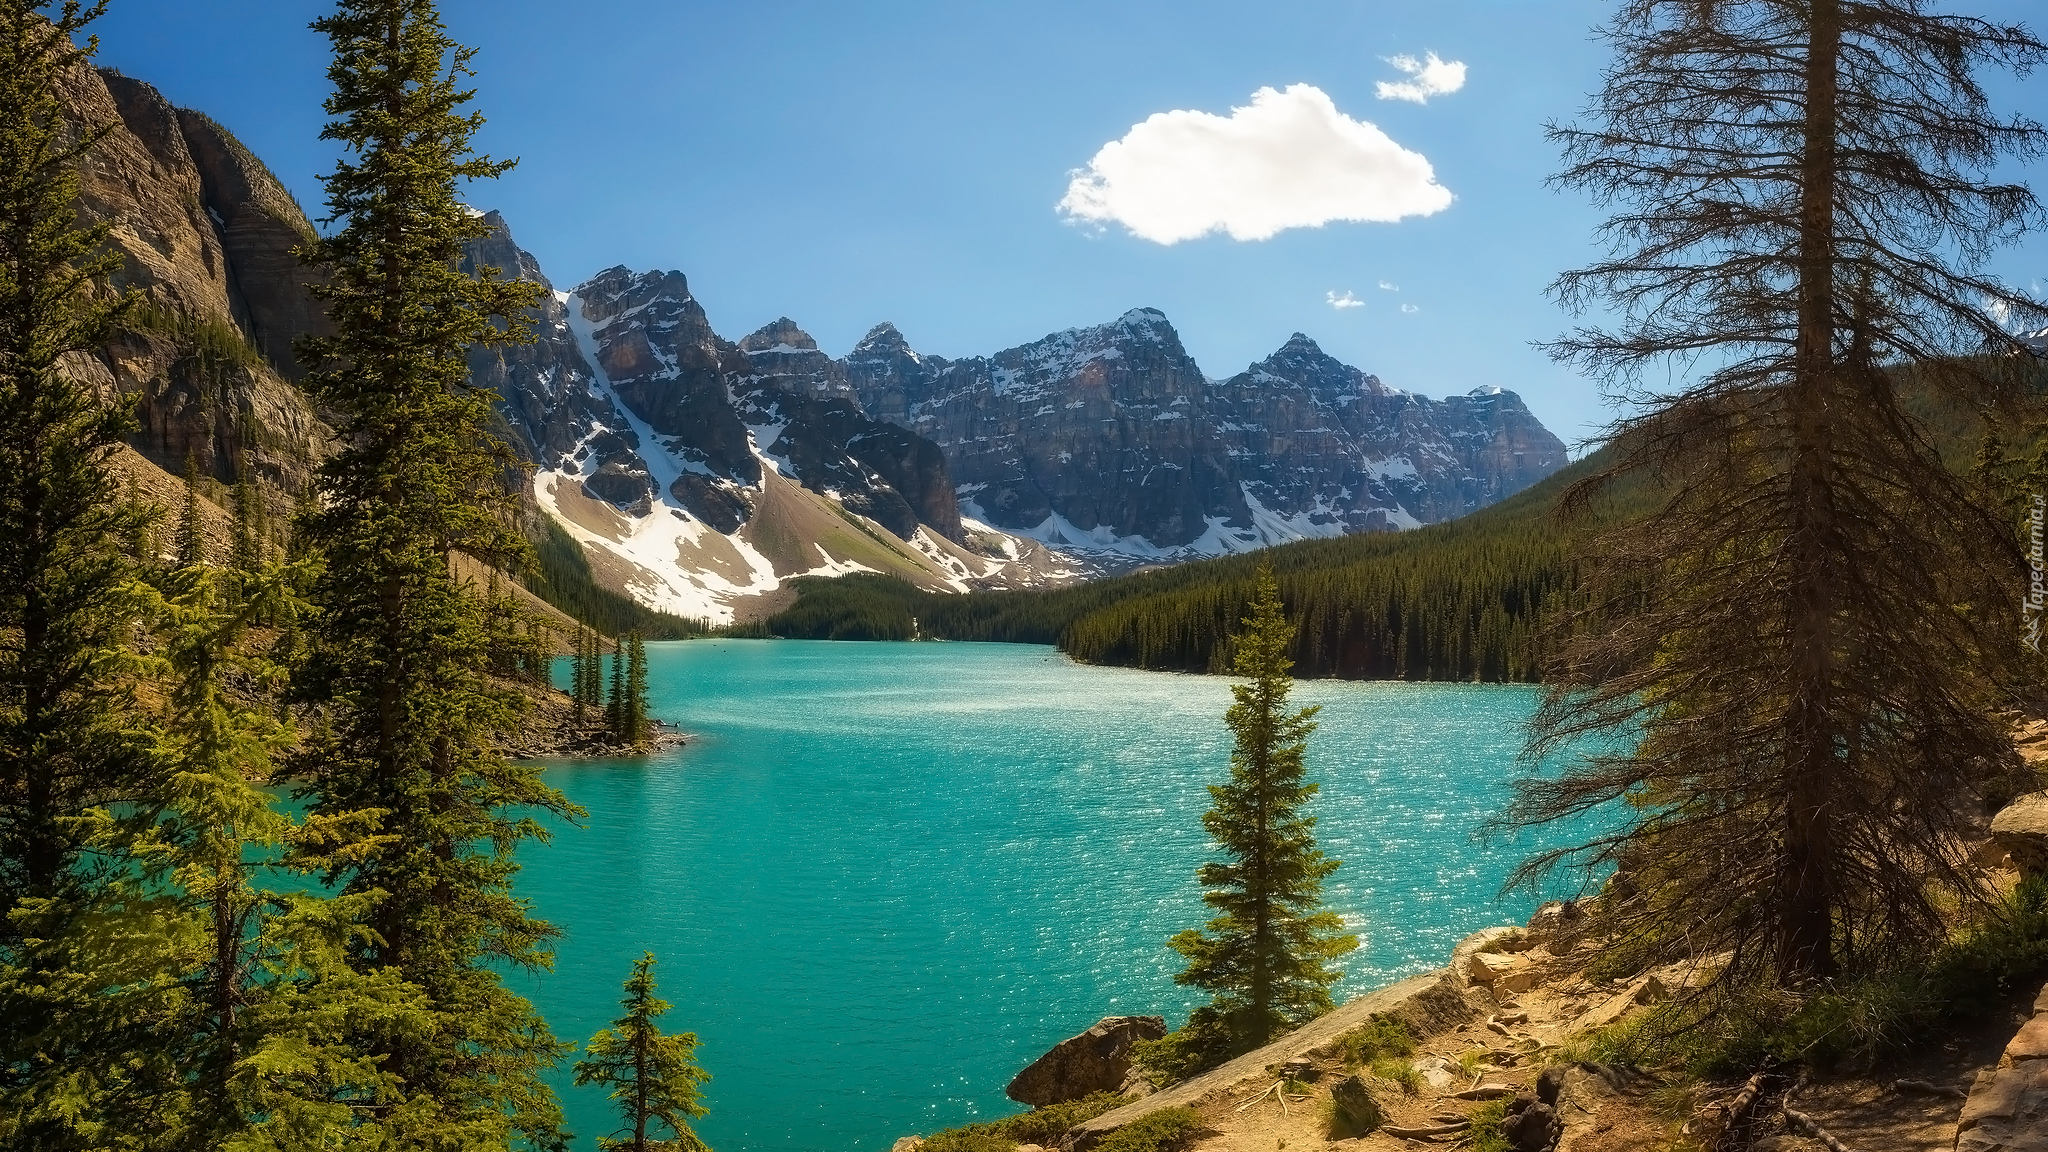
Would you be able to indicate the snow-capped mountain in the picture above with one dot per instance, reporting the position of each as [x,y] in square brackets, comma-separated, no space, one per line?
[1111,440]
[700,475]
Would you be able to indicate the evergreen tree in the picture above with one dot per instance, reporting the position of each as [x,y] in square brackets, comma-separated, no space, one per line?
[615,694]
[250,524]
[633,728]
[191,530]
[262,997]
[1266,955]
[1792,646]
[402,649]
[654,1078]
[71,740]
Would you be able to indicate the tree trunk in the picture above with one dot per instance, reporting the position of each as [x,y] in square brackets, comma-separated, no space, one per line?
[1806,880]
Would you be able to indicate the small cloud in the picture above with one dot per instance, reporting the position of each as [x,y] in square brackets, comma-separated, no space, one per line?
[1410,309]
[1999,311]
[1430,77]
[1389,286]
[1347,300]
[1288,160]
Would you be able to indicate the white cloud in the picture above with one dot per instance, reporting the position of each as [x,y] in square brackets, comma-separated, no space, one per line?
[1410,309]
[1288,160]
[1431,77]
[1347,300]
[1389,286]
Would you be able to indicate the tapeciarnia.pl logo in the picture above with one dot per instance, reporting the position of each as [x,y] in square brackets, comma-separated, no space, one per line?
[2037,589]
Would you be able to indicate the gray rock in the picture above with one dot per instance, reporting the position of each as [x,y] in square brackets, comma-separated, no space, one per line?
[1116,430]
[1098,1060]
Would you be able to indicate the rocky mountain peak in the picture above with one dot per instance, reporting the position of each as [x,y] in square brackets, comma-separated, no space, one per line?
[1301,362]
[883,340]
[780,336]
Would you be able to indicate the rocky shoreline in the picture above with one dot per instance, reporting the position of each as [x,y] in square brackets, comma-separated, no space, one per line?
[1497,1023]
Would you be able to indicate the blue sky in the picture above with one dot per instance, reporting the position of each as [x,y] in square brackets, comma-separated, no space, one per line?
[905,160]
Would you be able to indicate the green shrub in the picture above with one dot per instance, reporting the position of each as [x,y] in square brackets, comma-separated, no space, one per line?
[1195,1047]
[1399,1071]
[1383,1036]
[1168,1130]
[1486,1134]
[1038,1126]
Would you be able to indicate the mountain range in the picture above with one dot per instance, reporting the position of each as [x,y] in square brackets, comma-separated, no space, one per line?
[701,475]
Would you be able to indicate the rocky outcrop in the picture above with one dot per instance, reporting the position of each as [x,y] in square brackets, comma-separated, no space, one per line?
[2007,1110]
[1112,439]
[2021,830]
[1098,1060]
[185,204]
[261,226]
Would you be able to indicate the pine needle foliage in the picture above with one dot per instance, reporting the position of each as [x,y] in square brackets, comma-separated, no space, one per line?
[1792,645]
[258,1001]
[634,727]
[1266,955]
[71,739]
[654,1078]
[191,529]
[402,648]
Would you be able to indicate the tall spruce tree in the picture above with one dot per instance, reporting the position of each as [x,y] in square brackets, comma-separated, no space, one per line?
[402,648]
[615,692]
[71,740]
[633,721]
[191,530]
[1266,955]
[1790,649]
[654,1078]
[262,1002]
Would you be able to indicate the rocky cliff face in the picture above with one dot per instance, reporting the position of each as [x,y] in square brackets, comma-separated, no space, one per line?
[701,474]
[206,235]
[1112,440]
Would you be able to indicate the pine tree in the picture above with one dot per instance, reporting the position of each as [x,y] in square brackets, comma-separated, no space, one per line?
[265,999]
[633,728]
[191,530]
[403,646]
[1792,646]
[250,524]
[583,673]
[71,739]
[654,1078]
[1266,955]
[615,694]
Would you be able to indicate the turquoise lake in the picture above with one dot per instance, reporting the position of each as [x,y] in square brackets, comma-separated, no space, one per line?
[882,878]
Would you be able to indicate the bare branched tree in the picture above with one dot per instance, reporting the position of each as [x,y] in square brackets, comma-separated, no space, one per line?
[1787,654]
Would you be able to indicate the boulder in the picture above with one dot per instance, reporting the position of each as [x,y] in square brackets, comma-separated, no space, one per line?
[1437,1072]
[2007,1111]
[1530,1125]
[1503,972]
[2021,829]
[1098,1060]
[907,1144]
[1484,940]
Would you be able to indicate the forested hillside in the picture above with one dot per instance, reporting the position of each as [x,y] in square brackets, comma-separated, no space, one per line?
[1456,601]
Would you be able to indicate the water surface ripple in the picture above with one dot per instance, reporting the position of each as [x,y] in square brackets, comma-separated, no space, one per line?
[885,877]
